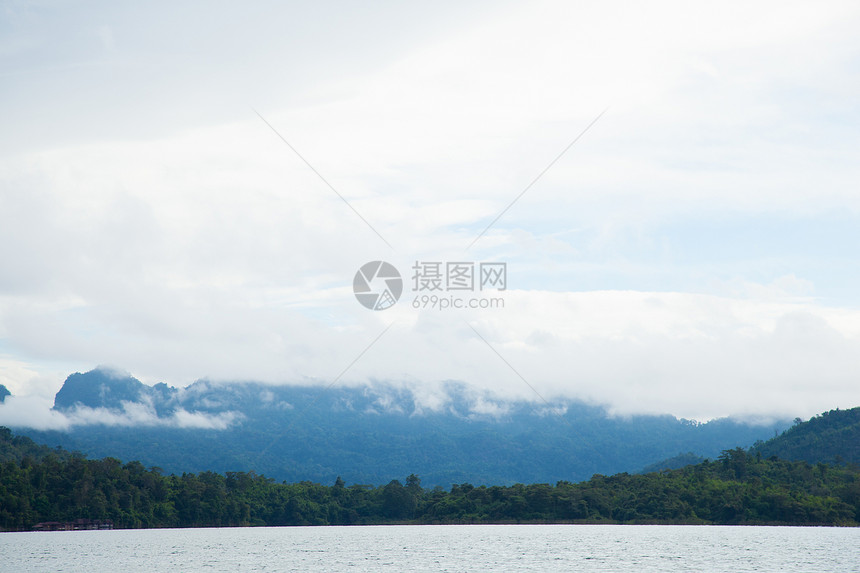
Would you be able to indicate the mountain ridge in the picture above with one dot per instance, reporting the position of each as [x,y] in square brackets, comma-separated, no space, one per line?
[369,434]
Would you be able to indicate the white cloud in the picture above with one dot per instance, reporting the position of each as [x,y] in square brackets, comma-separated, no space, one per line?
[696,356]
[34,412]
[179,242]
[482,407]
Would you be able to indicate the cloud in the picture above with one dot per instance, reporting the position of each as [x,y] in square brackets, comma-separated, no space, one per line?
[691,254]
[32,412]
[697,356]
[482,407]
[144,414]
[36,414]
[694,355]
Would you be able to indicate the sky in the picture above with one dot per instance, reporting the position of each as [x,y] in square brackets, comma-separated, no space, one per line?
[187,190]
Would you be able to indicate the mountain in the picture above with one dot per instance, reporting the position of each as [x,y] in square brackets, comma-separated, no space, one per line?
[370,434]
[831,437]
[3,393]
[102,388]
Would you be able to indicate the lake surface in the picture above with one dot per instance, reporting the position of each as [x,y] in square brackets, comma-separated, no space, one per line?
[438,548]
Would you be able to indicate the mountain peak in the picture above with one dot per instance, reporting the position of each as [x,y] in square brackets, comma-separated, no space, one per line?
[99,388]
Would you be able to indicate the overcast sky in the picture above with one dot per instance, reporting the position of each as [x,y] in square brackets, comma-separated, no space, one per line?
[695,252]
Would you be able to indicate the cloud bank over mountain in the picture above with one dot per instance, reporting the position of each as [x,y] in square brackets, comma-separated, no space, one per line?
[367,434]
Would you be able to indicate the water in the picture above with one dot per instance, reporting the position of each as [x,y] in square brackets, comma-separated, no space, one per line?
[438,548]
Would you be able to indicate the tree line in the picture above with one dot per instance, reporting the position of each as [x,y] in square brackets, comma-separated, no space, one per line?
[737,488]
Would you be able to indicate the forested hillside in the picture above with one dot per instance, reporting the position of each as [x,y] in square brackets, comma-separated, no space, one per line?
[738,488]
[832,437]
[15,448]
